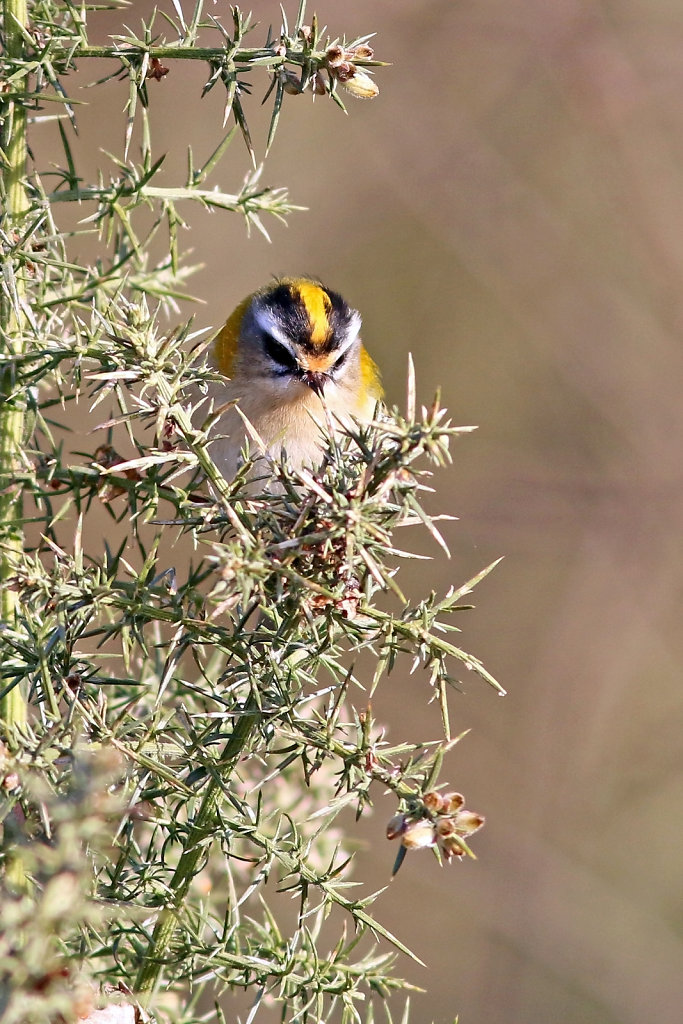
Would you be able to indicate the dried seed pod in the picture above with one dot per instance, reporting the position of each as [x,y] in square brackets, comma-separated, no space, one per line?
[156,69]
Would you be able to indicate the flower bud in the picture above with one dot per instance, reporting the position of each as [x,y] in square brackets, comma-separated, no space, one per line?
[433,802]
[450,847]
[318,84]
[334,56]
[418,834]
[290,81]
[444,823]
[453,802]
[344,71]
[445,827]
[467,822]
[396,826]
[361,86]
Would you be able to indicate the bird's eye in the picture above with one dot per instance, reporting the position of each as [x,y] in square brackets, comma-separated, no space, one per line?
[279,354]
[342,359]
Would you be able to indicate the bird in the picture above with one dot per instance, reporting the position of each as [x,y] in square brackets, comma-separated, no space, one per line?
[291,358]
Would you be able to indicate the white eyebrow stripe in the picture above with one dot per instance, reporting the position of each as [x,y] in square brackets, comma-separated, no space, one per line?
[352,333]
[269,324]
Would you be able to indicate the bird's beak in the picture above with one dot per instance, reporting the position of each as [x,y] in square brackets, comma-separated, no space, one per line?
[316,381]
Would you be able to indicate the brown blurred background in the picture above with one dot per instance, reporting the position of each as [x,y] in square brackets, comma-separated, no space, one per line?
[510,210]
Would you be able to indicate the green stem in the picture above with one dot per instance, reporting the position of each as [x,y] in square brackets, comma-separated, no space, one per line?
[12,323]
[208,196]
[268,56]
[177,52]
[203,825]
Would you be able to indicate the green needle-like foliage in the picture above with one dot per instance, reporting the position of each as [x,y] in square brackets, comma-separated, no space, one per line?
[185,703]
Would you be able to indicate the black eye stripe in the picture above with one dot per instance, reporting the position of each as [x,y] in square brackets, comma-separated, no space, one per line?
[279,354]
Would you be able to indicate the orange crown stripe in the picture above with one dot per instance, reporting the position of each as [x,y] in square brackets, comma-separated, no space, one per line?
[317,304]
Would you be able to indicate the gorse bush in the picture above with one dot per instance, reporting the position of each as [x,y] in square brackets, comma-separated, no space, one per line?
[183,718]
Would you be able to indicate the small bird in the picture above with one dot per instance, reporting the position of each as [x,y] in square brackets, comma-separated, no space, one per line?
[288,352]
